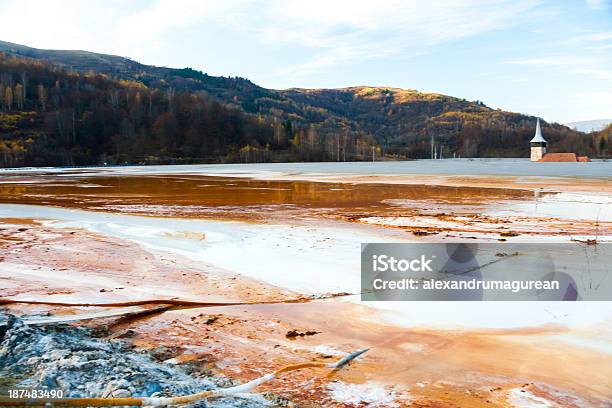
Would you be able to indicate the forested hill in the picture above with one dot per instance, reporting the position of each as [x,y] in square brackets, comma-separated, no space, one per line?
[225,89]
[50,116]
[103,108]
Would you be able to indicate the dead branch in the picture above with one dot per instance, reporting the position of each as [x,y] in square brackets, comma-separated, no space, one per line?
[161,306]
[124,314]
[587,241]
[172,302]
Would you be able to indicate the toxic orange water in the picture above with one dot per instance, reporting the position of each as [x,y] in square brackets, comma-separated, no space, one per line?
[202,196]
[446,209]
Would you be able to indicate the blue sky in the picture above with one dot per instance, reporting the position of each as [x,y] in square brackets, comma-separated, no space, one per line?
[544,57]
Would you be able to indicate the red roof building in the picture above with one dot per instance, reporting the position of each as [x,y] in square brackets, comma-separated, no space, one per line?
[559,157]
[564,157]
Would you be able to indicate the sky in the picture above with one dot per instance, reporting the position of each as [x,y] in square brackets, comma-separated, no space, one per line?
[550,58]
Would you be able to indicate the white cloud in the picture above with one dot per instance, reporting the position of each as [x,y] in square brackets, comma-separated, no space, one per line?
[554,61]
[331,32]
[599,73]
[595,37]
[353,31]
[165,16]
[599,47]
[303,43]
[599,4]
[139,30]
[591,105]
[592,66]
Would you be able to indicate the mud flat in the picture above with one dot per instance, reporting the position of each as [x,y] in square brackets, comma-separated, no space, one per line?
[113,235]
[416,360]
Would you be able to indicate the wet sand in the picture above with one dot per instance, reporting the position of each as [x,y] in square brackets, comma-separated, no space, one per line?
[416,366]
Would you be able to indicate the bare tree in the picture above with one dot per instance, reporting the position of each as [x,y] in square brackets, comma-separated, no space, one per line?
[19,96]
[8,98]
[114,99]
[312,138]
[170,96]
[24,82]
[42,96]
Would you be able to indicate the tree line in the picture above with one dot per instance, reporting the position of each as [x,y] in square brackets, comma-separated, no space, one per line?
[53,116]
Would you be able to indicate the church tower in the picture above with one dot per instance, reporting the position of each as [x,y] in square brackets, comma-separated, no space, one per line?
[538,144]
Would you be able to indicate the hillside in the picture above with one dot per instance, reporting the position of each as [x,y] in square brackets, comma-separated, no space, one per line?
[52,116]
[311,124]
[226,89]
[602,140]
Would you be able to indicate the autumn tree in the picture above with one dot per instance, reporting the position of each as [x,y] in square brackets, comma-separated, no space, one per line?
[8,98]
[41,92]
[19,96]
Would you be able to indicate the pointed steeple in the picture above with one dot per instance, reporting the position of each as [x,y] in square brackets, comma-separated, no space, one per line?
[538,138]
